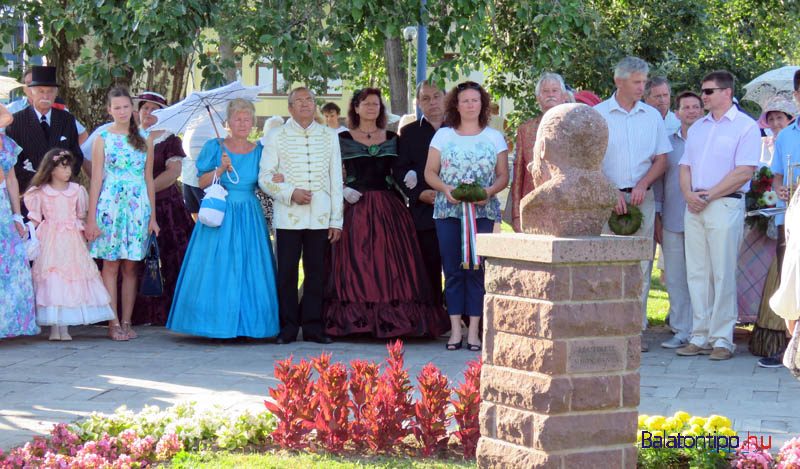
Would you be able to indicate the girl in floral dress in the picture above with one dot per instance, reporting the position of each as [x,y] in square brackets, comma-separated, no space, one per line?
[69,290]
[17,312]
[120,199]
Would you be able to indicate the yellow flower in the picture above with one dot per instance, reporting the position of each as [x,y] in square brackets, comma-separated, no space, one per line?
[694,430]
[643,420]
[672,424]
[718,421]
[727,431]
[697,421]
[655,422]
[682,416]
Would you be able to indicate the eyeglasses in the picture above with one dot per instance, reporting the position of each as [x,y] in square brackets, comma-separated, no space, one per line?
[468,85]
[710,91]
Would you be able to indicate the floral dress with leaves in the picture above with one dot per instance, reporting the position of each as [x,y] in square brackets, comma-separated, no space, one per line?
[17,305]
[123,208]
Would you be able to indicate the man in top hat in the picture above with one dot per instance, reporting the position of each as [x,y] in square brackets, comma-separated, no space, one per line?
[40,127]
[26,100]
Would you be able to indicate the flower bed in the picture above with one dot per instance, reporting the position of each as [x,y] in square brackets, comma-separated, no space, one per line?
[128,440]
[357,410]
[361,408]
[706,442]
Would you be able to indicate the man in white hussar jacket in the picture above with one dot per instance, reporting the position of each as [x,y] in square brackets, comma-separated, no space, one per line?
[307,211]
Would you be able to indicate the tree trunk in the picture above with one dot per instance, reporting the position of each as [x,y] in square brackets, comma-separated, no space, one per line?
[228,59]
[179,72]
[396,70]
[88,107]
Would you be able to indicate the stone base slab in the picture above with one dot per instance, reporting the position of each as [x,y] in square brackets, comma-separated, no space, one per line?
[553,250]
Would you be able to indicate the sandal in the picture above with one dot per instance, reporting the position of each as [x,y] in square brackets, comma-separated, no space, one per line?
[116,333]
[454,346]
[126,327]
[473,347]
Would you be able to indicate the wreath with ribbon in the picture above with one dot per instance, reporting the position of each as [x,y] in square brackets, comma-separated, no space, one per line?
[468,192]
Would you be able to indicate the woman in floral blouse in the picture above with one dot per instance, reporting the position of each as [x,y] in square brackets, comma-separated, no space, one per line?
[466,150]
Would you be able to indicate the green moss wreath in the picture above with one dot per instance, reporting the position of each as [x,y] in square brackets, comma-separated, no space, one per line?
[469,192]
[626,224]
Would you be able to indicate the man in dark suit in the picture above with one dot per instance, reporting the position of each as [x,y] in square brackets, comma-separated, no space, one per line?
[412,149]
[40,127]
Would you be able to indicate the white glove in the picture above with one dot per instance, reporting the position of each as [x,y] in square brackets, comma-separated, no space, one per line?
[411,179]
[351,195]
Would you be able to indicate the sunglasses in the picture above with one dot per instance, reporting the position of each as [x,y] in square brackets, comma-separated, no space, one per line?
[710,91]
[468,85]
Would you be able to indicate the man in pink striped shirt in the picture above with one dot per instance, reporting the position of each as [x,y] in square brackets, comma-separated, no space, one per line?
[722,151]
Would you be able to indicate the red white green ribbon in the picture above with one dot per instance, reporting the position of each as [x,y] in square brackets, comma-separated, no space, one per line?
[469,235]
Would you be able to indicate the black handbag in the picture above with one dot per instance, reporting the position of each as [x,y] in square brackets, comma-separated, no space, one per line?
[152,283]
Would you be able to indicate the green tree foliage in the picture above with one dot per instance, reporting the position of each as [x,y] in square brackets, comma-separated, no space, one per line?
[583,40]
[151,42]
[312,41]
[99,43]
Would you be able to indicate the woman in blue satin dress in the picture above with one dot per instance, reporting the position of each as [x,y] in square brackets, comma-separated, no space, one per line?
[226,287]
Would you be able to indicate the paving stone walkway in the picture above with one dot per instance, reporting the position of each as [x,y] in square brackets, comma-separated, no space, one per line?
[45,382]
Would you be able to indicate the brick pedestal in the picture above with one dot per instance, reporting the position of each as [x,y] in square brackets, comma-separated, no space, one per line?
[562,330]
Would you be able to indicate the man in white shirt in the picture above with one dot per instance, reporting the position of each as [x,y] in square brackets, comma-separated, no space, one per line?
[308,213]
[636,154]
[658,94]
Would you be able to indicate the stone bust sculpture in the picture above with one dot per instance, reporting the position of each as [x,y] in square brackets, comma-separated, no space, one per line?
[572,197]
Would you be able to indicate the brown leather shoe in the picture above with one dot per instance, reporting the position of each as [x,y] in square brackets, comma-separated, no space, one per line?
[692,350]
[721,353]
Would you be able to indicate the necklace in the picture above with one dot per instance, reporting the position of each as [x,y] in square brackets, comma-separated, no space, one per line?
[368,134]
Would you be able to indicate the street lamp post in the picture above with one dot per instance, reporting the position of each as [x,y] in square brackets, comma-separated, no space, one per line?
[409,34]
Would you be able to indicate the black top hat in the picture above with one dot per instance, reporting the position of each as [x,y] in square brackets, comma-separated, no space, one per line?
[43,76]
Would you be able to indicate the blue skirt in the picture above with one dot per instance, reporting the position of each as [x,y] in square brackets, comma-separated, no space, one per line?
[226,287]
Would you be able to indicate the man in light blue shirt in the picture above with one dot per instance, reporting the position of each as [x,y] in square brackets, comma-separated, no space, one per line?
[787,149]
[669,223]
[658,94]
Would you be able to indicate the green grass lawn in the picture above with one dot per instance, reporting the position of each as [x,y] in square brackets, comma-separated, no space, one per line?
[287,460]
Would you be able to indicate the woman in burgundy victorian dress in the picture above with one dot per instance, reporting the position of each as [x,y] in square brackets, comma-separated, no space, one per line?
[171,214]
[377,285]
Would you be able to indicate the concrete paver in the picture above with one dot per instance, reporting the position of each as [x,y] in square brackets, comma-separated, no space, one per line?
[44,382]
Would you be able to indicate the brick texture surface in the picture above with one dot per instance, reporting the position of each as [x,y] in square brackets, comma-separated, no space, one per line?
[526,280]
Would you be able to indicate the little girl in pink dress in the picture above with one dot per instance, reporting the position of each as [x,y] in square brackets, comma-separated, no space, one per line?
[68,287]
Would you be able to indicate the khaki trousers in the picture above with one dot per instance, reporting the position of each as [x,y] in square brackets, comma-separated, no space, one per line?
[713,238]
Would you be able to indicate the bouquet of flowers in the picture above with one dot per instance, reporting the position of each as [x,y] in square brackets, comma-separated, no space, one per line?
[759,196]
[469,191]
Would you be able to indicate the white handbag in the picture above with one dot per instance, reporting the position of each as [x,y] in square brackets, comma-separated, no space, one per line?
[32,246]
[212,207]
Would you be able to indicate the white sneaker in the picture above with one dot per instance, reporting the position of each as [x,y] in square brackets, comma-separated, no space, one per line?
[674,342]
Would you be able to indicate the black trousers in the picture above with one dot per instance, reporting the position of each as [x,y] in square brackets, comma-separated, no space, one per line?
[429,245]
[311,245]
